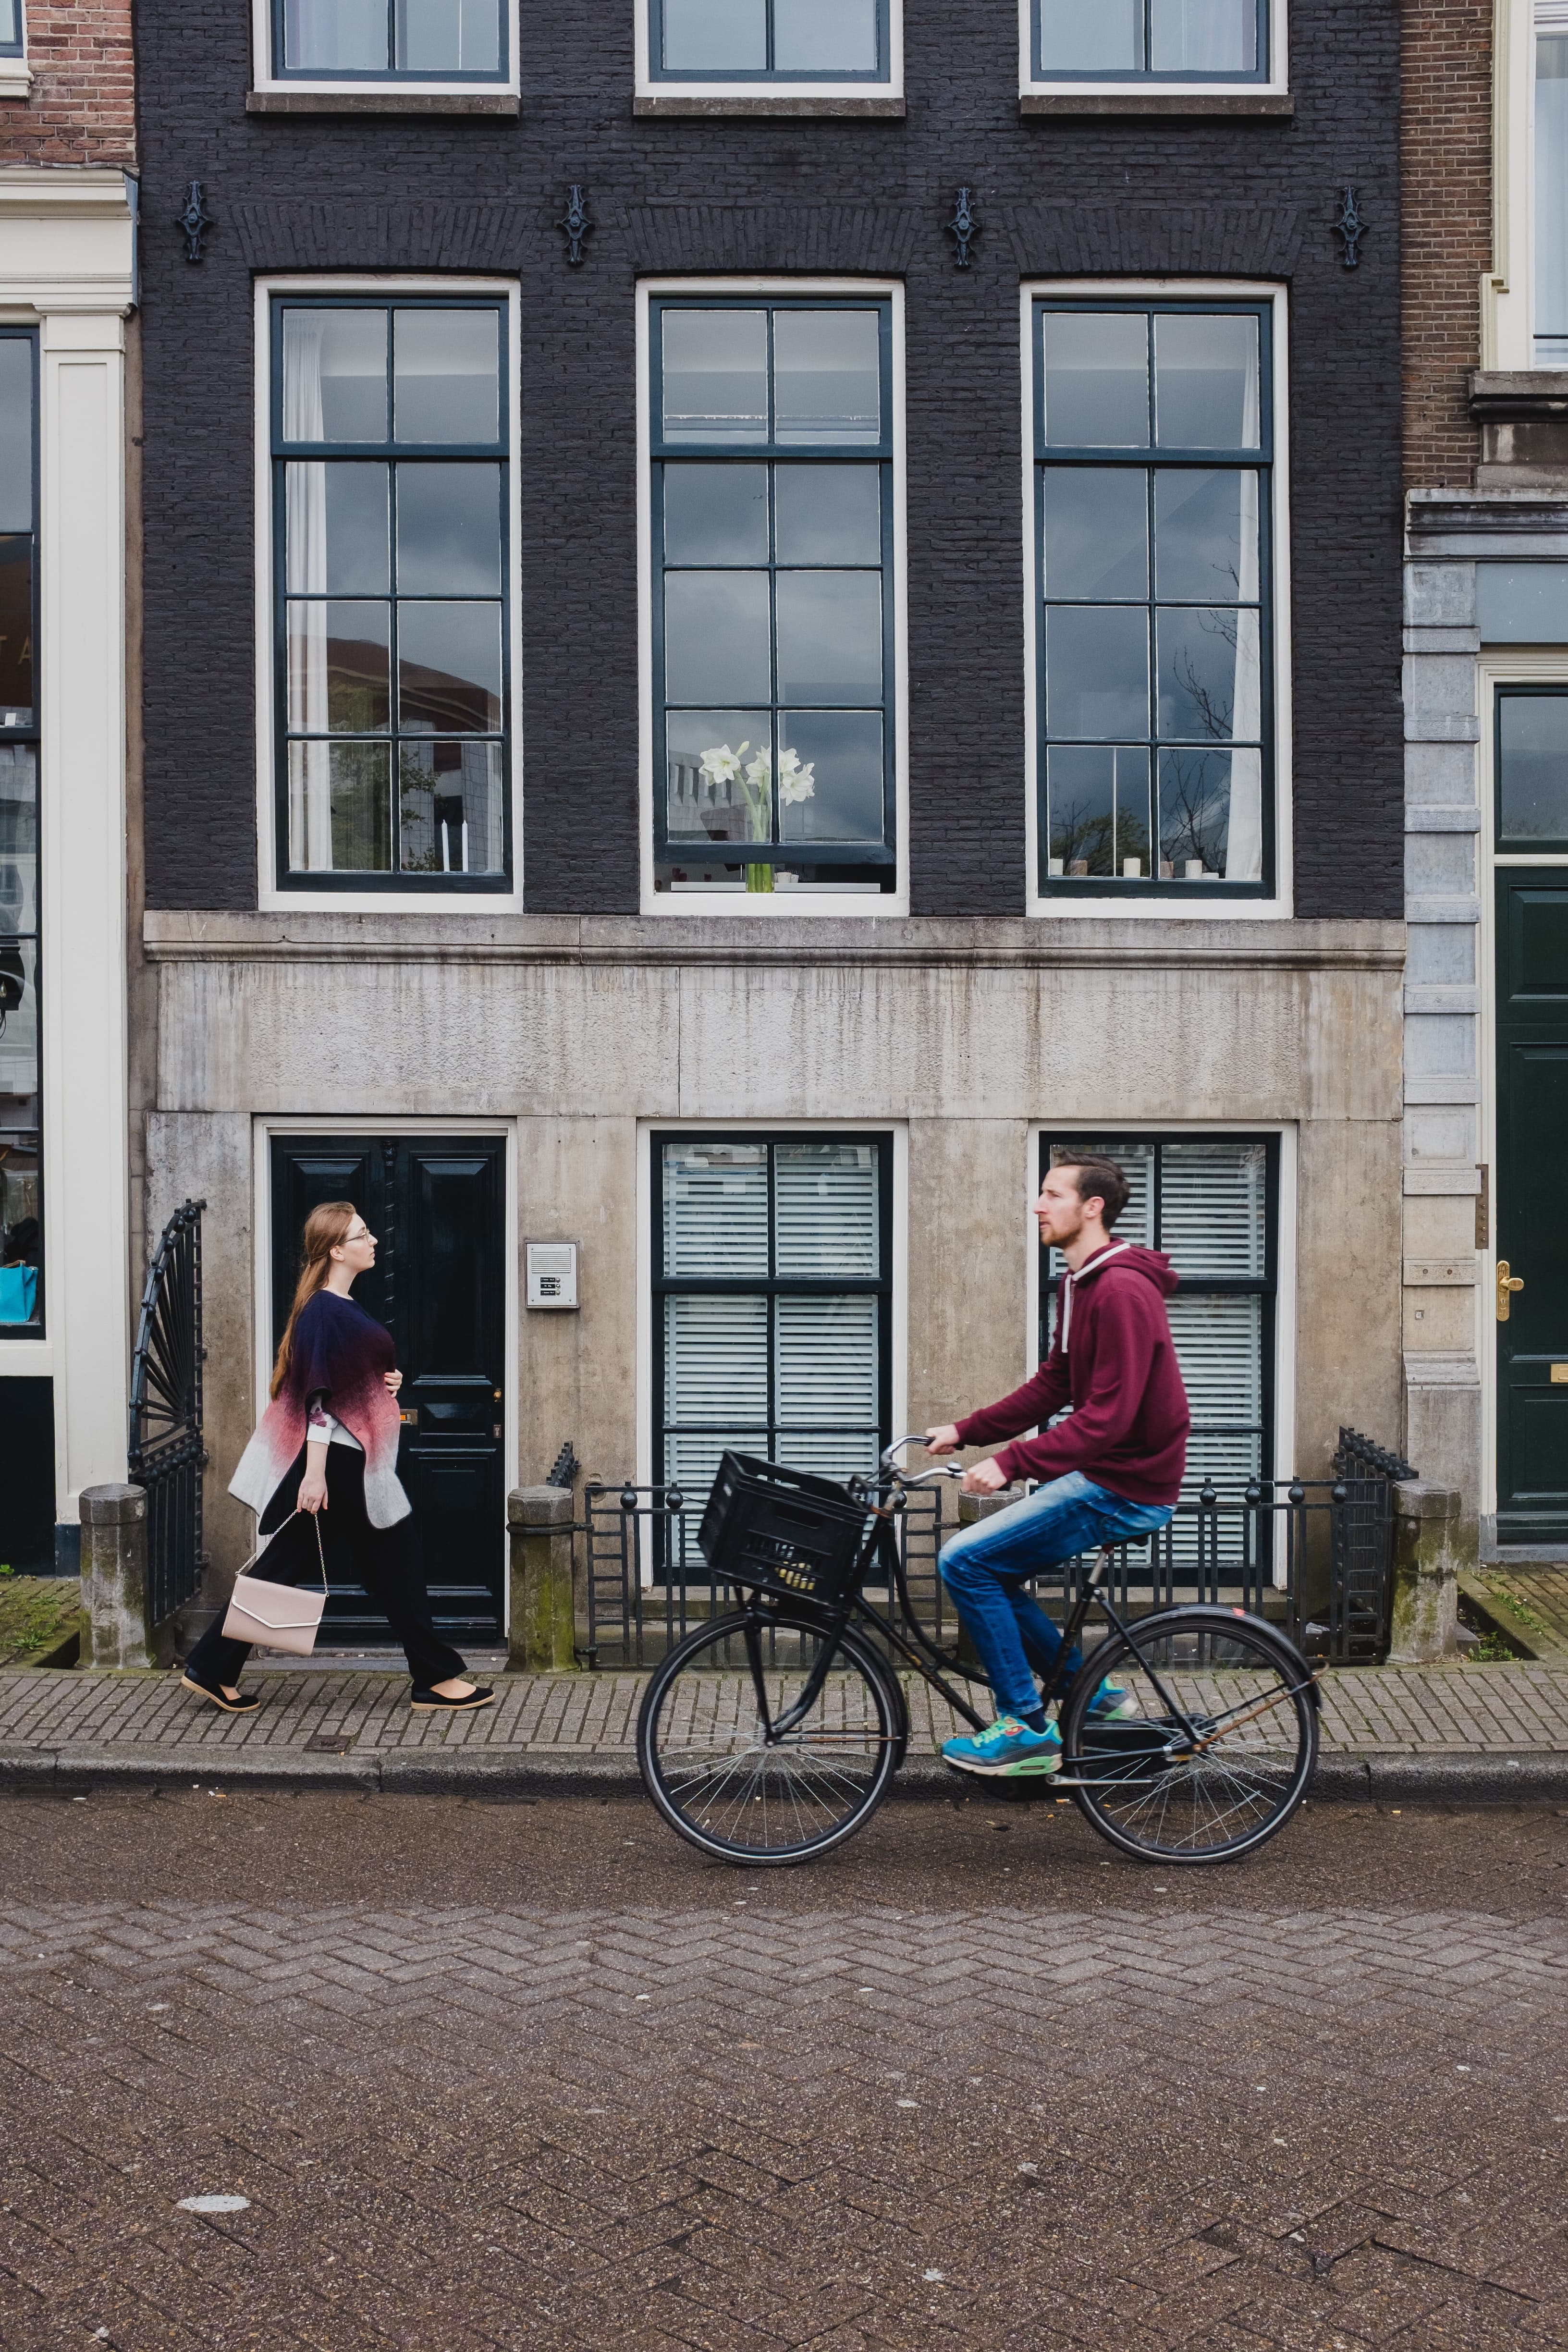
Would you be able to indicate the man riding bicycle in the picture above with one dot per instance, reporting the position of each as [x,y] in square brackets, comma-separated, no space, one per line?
[1111,1467]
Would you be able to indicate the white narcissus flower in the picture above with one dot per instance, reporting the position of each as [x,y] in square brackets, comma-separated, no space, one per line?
[796,781]
[721,765]
[760,774]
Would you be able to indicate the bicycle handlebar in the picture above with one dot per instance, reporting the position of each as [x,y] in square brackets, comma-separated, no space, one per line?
[895,1470]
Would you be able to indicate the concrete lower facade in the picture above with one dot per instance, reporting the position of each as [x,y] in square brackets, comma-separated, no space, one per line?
[579,1038]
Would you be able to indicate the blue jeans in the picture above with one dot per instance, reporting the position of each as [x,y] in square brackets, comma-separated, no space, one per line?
[984,1569]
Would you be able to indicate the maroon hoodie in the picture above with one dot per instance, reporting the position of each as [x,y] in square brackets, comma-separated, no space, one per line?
[1114,1361]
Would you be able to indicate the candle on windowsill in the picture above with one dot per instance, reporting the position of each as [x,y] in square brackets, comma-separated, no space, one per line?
[1055,866]
[1167,871]
[1192,870]
[1133,869]
[1078,865]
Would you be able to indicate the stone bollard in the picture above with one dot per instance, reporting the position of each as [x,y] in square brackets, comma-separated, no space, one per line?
[543,1631]
[115,1630]
[1425,1568]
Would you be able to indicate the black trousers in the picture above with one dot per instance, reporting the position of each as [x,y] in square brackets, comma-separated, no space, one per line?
[388,1561]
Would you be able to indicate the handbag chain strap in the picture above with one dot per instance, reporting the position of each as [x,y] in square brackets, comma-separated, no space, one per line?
[321,1555]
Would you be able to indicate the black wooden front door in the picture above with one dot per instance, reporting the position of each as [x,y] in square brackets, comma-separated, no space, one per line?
[1532,1228]
[438,1208]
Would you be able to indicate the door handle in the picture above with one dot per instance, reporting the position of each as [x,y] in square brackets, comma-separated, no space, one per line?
[1507,1283]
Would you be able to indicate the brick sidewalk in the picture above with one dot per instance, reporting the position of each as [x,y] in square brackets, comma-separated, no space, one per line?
[322,1719]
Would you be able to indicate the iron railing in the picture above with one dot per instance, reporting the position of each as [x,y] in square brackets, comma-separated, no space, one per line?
[1312,1554]
[164,1450]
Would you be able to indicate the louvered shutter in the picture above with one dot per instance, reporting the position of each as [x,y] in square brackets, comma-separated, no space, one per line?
[716,1209]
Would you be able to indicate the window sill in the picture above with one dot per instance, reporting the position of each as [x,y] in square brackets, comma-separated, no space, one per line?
[1277,102]
[378,102]
[16,79]
[687,103]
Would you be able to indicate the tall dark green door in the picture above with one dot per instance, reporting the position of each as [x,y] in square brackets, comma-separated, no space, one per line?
[438,1208]
[1531,1298]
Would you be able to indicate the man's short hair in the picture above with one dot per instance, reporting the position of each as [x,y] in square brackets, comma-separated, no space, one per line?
[1095,1178]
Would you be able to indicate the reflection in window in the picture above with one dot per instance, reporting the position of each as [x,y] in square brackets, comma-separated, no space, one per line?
[1532,769]
[393,590]
[1168,40]
[1152,450]
[21,1164]
[1552,192]
[430,40]
[769,40]
[773,488]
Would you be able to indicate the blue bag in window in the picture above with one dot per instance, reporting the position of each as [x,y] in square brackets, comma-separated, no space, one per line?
[18,1292]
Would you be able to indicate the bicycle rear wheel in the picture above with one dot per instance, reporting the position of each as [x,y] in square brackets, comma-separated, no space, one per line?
[1218,1792]
[719,1778]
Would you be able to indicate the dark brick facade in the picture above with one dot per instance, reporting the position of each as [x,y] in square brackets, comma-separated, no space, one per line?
[1229,197]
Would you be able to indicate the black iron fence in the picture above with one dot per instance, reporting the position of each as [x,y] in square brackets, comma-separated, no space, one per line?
[1312,1554]
[164,1449]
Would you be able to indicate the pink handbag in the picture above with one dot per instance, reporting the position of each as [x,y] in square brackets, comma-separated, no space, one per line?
[276,1616]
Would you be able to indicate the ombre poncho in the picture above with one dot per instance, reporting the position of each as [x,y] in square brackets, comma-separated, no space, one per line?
[340,1354]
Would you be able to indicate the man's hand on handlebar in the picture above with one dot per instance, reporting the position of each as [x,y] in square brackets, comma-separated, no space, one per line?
[943,1439]
[983,1479]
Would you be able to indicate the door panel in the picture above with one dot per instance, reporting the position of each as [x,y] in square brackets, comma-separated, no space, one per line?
[1532,1231]
[438,1208]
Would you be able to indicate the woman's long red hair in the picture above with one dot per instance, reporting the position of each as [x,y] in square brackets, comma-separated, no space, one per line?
[325,1227]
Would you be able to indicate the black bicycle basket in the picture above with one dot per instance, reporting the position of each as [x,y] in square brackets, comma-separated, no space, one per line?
[781,1531]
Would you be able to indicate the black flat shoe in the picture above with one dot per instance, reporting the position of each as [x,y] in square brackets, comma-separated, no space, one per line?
[219,1697]
[428,1702]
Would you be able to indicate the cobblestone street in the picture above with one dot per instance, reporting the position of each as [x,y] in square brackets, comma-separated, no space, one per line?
[529,2074]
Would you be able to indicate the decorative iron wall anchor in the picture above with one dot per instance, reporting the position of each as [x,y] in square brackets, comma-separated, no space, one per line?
[194,220]
[963,227]
[576,226]
[1351,226]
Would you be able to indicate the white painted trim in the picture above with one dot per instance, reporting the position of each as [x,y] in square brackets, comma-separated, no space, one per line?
[269,898]
[892,86]
[1149,85]
[373,84]
[899,1332]
[743,906]
[1508,289]
[263,1130]
[67,241]
[1097,905]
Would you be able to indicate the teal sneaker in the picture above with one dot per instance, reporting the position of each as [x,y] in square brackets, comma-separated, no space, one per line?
[1111,1704]
[1007,1749]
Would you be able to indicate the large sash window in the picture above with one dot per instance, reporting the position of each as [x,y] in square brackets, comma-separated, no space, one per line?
[21,1121]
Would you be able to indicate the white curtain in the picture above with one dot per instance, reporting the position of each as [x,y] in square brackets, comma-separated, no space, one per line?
[305,524]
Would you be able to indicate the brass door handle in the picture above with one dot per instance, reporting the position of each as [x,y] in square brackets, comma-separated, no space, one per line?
[1507,1283]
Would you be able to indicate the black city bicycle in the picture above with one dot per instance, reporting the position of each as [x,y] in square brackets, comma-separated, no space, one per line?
[772,1733]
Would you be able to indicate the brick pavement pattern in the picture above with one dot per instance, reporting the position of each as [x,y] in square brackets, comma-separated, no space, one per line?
[1441,1710]
[737,2112]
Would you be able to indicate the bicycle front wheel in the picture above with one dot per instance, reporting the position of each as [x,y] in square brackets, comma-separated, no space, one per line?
[1211,1787]
[725,1779]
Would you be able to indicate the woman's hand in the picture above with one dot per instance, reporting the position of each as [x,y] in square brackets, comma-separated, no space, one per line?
[312,1492]
[394,1382]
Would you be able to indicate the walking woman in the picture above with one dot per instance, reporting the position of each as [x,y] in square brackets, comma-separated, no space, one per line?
[328,1440]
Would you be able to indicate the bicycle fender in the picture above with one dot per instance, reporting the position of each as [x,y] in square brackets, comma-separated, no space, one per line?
[1218,1615]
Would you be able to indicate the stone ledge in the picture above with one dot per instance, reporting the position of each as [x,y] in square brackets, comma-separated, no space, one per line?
[685,105]
[391,101]
[1279,103]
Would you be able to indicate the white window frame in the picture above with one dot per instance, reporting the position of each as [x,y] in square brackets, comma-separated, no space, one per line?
[1508,289]
[271,896]
[748,906]
[646,1333]
[1099,904]
[1132,88]
[360,87]
[762,97]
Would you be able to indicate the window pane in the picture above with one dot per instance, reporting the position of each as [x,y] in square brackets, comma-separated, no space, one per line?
[335,36]
[1097,809]
[435,36]
[16,433]
[826,1217]
[1107,38]
[831,781]
[446,375]
[448,531]
[339,808]
[1211,816]
[1209,674]
[1097,670]
[18,837]
[448,668]
[334,375]
[830,635]
[17,631]
[824,36]
[21,1227]
[1205,534]
[716,637]
[715,1209]
[719,768]
[1217,36]
[716,1359]
[1212,1210]
[1205,383]
[715,375]
[827,376]
[1219,1346]
[10,23]
[336,529]
[715,514]
[715,35]
[1533,767]
[339,668]
[829,514]
[825,1362]
[1096,379]
[1097,531]
[451,808]
[1552,201]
